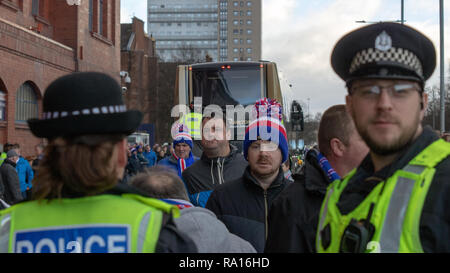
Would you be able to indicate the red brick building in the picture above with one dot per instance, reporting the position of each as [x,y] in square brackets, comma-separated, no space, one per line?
[139,61]
[41,40]
[152,84]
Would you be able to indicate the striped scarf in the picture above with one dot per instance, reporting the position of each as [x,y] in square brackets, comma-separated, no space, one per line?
[183,163]
[326,167]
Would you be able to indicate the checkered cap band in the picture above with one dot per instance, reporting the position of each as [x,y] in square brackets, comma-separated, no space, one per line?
[397,55]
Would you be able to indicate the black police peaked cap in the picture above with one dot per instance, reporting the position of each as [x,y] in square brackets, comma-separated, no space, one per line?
[384,51]
[84,103]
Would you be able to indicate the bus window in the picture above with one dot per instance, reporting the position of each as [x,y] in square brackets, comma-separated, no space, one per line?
[230,86]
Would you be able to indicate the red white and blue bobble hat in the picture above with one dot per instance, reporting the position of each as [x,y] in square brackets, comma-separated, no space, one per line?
[183,136]
[267,126]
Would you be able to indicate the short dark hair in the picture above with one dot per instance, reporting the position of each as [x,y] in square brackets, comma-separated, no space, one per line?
[335,123]
[7,147]
[161,183]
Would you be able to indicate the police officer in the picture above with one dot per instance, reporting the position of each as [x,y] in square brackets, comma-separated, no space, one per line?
[78,205]
[193,121]
[397,199]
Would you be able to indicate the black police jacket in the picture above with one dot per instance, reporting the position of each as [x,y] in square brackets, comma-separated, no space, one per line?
[435,219]
[243,206]
[294,215]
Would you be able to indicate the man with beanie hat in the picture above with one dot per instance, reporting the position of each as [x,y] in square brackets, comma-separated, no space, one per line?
[243,205]
[296,209]
[10,179]
[182,156]
[397,200]
[78,206]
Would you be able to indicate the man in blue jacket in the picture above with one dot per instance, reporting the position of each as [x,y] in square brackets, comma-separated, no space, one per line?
[25,173]
[150,155]
[182,156]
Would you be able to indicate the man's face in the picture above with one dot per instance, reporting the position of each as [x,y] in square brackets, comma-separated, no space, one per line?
[356,150]
[182,150]
[215,134]
[264,158]
[386,119]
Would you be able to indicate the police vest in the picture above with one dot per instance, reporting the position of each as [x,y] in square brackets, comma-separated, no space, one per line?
[393,208]
[194,122]
[100,224]
[2,158]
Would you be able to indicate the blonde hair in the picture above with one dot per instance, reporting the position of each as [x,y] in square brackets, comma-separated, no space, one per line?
[77,166]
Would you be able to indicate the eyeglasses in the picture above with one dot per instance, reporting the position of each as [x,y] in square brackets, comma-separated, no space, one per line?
[266,146]
[395,91]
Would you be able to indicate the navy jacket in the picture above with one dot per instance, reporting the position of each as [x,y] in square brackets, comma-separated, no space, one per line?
[243,206]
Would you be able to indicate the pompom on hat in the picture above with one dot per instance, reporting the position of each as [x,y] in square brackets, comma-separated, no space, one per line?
[84,103]
[183,136]
[267,126]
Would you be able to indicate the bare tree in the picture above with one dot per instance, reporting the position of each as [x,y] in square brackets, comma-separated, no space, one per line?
[187,54]
[433,113]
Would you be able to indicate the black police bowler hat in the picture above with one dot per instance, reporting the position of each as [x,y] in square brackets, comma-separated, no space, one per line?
[384,50]
[84,103]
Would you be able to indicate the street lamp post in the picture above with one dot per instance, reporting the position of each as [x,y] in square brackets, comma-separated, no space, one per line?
[309,117]
[403,12]
[402,20]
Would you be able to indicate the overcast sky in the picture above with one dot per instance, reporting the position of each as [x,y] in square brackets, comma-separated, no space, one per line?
[299,35]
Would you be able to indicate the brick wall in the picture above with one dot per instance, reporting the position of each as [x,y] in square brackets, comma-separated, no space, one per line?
[152,83]
[63,44]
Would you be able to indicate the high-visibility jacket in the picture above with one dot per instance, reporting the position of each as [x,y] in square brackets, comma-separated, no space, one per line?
[2,158]
[193,121]
[100,224]
[396,206]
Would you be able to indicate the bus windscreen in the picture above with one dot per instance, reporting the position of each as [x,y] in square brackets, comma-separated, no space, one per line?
[231,85]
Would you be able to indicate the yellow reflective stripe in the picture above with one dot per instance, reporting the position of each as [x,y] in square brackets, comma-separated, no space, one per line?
[153,228]
[322,218]
[398,205]
[5,230]
[143,227]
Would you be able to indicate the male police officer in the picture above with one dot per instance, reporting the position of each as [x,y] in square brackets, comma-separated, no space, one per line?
[79,207]
[397,199]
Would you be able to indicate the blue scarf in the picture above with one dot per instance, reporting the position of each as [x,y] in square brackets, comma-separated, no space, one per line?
[326,167]
[183,163]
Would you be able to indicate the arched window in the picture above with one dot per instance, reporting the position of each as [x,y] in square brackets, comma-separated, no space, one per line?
[26,103]
[2,105]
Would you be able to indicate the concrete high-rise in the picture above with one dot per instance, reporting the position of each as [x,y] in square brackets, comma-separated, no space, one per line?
[183,27]
[240,30]
[226,30]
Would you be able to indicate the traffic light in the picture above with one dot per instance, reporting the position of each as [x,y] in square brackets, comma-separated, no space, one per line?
[297,118]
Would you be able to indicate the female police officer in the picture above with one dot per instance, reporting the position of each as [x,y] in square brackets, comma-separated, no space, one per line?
[78,206]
